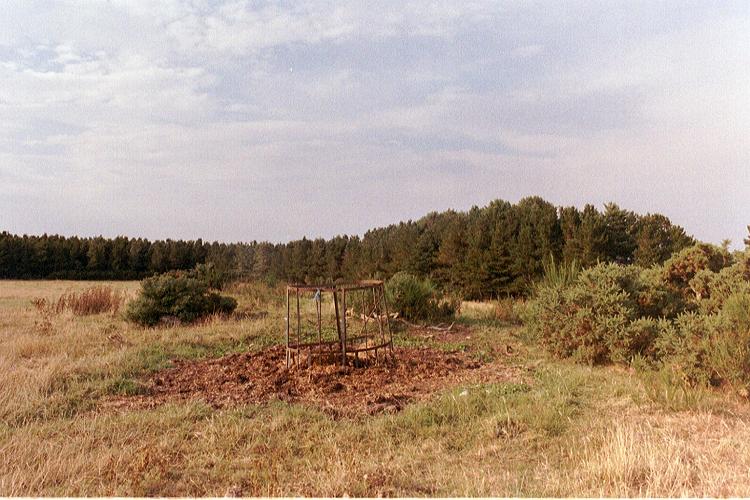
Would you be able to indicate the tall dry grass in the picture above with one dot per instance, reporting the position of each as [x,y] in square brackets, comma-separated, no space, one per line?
[504,310]
[95,300]
[666,455]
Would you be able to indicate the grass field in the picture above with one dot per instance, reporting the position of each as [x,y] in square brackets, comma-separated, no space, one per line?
[558,429]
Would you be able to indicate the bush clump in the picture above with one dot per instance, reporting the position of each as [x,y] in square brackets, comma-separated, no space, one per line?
[591,318]
[186,296]
[418,299]
[690,316]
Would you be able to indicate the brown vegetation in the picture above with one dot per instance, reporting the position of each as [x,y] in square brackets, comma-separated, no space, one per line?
[95,300]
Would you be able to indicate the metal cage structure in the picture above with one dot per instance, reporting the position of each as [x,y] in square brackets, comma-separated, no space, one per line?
[337,323]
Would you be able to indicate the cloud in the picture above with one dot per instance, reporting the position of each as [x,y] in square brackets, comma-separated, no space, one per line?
[261,120]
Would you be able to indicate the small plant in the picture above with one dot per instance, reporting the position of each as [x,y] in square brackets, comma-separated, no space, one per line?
[669,389]
[417,299]
[507,310]
[558,275]
[185,296]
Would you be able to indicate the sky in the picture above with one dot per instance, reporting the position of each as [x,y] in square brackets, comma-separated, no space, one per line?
[249,120]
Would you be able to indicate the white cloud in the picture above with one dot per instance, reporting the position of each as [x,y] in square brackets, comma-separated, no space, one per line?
[155,112]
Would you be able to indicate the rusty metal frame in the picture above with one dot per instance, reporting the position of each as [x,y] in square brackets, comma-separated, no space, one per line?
[380,340]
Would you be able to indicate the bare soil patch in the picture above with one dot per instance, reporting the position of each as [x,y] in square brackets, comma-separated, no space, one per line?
[259,377]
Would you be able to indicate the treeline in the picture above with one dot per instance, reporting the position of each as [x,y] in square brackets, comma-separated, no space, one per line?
[491,251]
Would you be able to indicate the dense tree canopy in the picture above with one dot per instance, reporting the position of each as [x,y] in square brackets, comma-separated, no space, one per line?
[495,250]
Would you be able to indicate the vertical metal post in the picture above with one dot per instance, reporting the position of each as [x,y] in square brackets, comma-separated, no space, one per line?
[320,313]
[364,320]
[387,317]
[338,321]
[378,314]
[343,337]
[299,327]
[287,327]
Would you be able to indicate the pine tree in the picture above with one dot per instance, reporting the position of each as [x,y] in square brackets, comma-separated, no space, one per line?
[620,242]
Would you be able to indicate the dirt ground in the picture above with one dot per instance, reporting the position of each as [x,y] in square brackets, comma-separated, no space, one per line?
[415,374]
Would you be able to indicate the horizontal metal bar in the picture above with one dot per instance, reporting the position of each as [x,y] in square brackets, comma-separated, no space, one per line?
[360,285]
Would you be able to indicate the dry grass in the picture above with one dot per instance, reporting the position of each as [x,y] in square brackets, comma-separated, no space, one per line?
[693,455]
[96,300]
[503,310]
[572,431]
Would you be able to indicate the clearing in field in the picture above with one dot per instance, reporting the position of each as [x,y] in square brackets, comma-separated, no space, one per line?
[415,374]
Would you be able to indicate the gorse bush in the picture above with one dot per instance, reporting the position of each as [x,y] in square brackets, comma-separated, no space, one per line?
[681,268]
[690,317]
[186,296]
[418,299]
[730,349]
[684,348]
[656,298]
[591,318]
[712,289]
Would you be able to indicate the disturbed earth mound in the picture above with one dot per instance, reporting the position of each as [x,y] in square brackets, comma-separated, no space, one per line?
[414,374]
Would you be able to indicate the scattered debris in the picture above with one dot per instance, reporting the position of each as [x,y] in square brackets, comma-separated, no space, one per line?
[256,378]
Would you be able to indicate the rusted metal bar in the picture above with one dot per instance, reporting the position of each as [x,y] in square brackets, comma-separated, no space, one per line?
[312,288]
[378,314]
[343,337]
[287,327]
[336,309]
[299,326]
[354,288]
[319,307]
[387,317]
[369,341]
[350,349]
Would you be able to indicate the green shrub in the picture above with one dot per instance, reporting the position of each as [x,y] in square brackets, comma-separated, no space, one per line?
[710,348]
[730,347]
[682,267]
[743,261]
[690,318]
[417,299]
[591,319]
[186,296]
[656,298]
[508,310]
[684,348]
[713,289]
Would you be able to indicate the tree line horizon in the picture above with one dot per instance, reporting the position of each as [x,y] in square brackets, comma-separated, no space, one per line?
[495,250]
